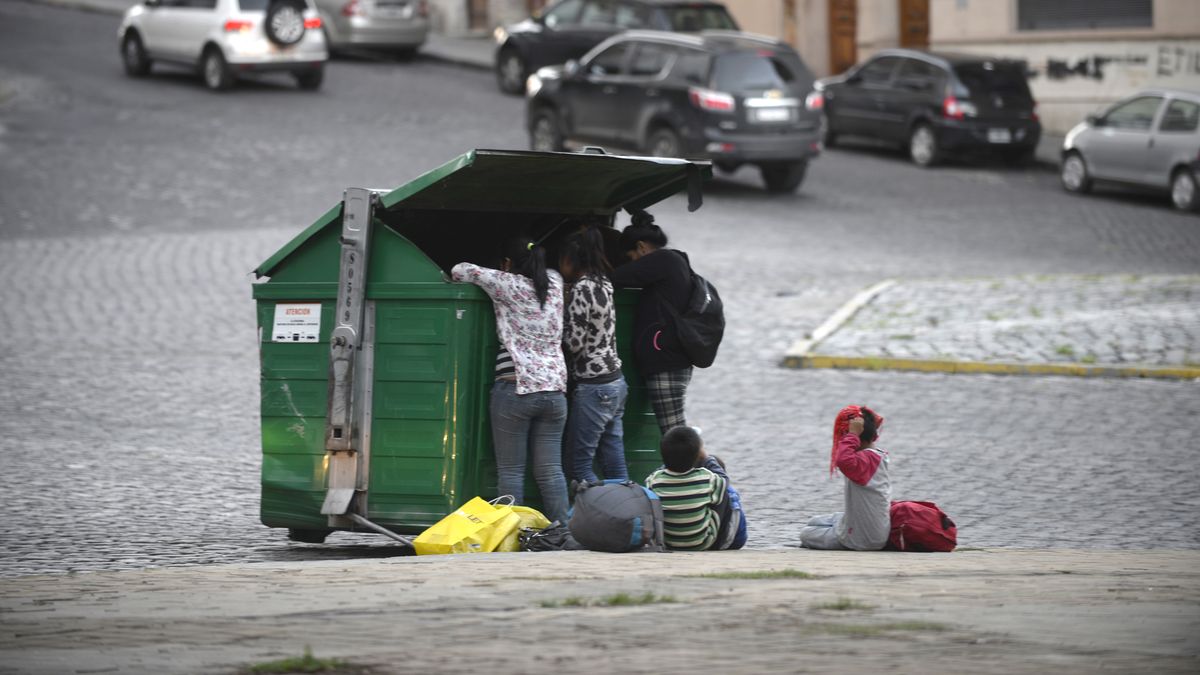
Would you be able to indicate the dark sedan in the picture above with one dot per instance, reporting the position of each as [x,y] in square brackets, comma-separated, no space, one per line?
[569,28]
[934,104]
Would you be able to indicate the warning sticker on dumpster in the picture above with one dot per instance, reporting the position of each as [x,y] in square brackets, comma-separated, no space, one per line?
[297,322]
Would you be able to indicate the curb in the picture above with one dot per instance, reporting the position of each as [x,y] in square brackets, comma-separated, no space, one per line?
[986,368]
[800,355]
[801,349]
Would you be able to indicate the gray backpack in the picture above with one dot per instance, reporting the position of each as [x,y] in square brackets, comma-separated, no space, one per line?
[617,517]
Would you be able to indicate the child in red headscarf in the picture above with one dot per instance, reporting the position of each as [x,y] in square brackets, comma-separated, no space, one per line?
[866,521]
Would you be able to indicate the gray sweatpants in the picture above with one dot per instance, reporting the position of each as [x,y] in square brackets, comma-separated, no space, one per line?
[821,532]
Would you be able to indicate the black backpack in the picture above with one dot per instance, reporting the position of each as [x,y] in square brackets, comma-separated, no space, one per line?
[701,325]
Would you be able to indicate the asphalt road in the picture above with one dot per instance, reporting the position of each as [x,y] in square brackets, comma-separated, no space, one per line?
[131,212]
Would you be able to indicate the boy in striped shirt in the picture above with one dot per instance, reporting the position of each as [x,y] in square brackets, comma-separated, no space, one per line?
[696,496]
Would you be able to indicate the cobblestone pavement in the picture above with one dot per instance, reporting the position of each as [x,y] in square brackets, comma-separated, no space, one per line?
[970,611]
[133,212]
[1103,320]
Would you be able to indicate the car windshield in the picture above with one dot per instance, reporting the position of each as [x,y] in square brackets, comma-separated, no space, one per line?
[769,70]
[1005,80]
[253,5]
[695,19]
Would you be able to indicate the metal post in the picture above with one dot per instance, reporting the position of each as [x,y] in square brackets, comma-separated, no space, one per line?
[343,434]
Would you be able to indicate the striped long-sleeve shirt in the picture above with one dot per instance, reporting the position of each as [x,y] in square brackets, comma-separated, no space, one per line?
[689,501]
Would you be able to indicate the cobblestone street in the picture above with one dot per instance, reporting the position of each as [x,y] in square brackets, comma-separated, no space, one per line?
[133,212]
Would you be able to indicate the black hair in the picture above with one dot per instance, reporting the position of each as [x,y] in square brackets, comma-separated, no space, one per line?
[680,447]
[870,430]
[585,251]
[530,261]
[642,228]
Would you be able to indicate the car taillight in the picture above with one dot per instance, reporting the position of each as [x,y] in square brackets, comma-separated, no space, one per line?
[707,99]
[423,9]
[814,101]
[352,8]
[1033,112]
[235,26]
[956,109]
[312,23]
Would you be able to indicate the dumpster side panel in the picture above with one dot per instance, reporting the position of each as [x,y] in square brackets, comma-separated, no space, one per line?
[641,427]
[294,386]
[425,446]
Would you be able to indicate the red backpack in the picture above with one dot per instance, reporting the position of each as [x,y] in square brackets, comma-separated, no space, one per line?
[921,526]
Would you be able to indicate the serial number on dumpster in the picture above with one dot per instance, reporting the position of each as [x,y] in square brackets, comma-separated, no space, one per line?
[297,322]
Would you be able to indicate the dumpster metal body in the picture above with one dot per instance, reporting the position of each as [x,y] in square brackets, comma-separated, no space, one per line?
[423,363]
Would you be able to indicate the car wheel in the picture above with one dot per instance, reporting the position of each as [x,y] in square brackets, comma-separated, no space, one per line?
[510,71]
[545,134]
[783,177]
[923,146]
[217,75]
[663,143]
[308,536]
[310,80]
[285,23]
[1074,174]
[1184,194]
[133,54]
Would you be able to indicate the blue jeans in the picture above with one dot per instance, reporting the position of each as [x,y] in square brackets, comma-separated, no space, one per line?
[530,426]
[594,430]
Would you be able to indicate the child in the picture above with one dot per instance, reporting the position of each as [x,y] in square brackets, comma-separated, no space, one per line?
[866,522]
[701,511]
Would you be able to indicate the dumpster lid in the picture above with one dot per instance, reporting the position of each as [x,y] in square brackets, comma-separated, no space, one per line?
[533,182]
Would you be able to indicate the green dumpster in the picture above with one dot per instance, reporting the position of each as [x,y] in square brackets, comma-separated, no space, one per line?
[376,368]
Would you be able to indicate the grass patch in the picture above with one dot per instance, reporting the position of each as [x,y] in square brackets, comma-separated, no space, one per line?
[876,629]
[300,664]
[1088,358]
[1064,350]
[843,604]
[614,600]
[903,336]
[765,574]
[1035,312]
[993,316]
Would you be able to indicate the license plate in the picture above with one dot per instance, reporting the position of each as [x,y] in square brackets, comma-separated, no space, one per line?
[772,114]
[999,136]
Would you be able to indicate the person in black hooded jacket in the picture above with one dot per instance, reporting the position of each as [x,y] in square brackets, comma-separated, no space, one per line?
[664,275]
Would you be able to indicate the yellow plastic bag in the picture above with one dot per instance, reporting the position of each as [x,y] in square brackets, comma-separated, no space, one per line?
[476,527]
[530,518]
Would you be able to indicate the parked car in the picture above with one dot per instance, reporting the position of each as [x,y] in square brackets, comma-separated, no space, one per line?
[570,28]
[734,98]
[934,104]
[395,25]
[1151,139]
[224,38]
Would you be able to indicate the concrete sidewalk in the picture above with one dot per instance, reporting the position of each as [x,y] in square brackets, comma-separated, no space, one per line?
[1145,326]
[978,611]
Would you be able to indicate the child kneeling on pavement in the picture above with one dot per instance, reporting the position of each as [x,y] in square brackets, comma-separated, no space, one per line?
[866,522]
[701,510]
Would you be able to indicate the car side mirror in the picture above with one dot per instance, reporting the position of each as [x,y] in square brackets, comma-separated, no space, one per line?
[571,68]
[1095,120]
[153,3]
[854,79]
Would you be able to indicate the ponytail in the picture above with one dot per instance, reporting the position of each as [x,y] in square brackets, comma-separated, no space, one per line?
[529,260]
[642,228]
[585,251]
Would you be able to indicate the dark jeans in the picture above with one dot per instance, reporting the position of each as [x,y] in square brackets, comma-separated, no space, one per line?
[594,430]
[530,426]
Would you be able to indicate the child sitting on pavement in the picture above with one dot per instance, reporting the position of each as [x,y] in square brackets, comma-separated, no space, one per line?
[866,521]
[701,510]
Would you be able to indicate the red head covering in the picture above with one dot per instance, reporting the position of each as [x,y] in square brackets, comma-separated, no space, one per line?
[841,427]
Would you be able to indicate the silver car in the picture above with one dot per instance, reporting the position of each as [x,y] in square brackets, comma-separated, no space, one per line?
[1151,139]
[397,25]
[224,38]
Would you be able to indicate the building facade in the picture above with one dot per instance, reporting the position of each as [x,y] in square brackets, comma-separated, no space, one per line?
[1082,54]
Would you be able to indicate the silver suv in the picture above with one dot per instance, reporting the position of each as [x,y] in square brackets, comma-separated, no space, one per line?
[223,38]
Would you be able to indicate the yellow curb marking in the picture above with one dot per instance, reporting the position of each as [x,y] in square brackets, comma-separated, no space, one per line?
[946,366]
